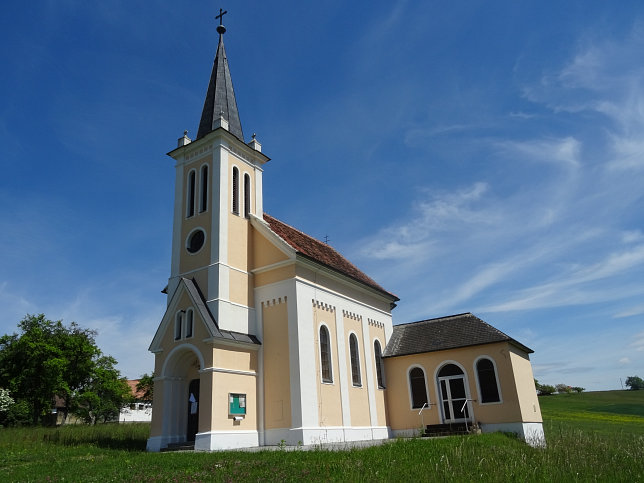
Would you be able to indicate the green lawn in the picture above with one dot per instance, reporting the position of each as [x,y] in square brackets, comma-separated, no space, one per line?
[591,437]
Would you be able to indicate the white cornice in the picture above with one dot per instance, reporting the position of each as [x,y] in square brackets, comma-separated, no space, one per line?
[272,266]
[228,371]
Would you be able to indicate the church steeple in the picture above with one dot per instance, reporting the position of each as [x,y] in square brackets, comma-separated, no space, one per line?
[220,98]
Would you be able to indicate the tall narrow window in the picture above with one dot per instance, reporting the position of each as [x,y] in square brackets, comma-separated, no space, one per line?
[190,209]
[178,322]
[417,387]
[203,199]
[355,360]
[246,195]
[235,191]
[189,322]
[325,355]
[488,383]
[380,376]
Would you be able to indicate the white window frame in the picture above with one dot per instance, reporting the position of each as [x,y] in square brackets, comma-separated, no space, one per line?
[409,392]
[478,384]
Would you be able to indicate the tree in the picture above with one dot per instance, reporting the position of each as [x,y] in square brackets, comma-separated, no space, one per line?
[546,390]
[578,389]
[48,359]
[105,394]
[146,385]
[634,383]
[563,388]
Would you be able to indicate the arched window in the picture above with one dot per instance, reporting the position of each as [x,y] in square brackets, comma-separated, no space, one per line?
[189,322]
[235,190]
[325,355]
[417,387]
[178,322]
[355,360]
[380,376]
[190,208]
[246,195]
[488,383]
[203,199]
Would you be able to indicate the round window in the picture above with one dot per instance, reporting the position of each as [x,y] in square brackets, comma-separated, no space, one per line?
[196,241]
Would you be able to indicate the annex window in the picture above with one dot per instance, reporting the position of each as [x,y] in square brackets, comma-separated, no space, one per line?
[235,190]
[189,322]
[355,360]
[417,388]
[377,353]
[325,355]
[178,322]
[488,383]
[203,198]
[190,201]
[246,195]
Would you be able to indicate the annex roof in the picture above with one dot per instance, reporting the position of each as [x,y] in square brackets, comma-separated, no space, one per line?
[451,332]
[322,253]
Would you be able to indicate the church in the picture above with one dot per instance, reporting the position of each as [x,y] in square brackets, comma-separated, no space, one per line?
[273,337]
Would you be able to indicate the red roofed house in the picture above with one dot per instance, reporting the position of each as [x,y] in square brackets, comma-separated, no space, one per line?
[139,411]
[271,335]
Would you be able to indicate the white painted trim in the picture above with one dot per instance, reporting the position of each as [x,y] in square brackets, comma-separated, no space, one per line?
[228,371]
[222,440]
[362,305]
[409,394]
[342,369]
[272,266]
[478,384]
[208,188]
[231,204]
[531,433]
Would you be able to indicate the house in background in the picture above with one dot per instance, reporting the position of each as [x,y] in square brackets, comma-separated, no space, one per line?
[270,335]
[139,411]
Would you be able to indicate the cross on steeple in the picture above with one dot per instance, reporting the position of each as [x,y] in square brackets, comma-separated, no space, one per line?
[222,12]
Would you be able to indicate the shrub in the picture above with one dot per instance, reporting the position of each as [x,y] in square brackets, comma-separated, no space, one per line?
[563,388]
[634,383]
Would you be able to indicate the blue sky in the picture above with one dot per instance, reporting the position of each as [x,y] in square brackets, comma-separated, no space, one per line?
[470,156]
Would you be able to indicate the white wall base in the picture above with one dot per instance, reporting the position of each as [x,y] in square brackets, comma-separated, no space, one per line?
[531,433]
[322,435]
[218,440]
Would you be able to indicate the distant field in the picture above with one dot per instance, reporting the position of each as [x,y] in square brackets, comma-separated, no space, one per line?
[591,437]
[602,411]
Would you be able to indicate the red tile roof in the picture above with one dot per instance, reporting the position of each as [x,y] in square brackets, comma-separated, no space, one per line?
[132,383]
[321,252]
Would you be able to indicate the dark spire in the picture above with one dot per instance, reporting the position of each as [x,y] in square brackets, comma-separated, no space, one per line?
[220,98]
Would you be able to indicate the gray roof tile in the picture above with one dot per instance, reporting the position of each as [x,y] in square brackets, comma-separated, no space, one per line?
[452,332]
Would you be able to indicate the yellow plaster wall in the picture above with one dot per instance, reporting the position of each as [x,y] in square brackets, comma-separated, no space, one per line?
[224,384]
[524,381]
[378,332]
[203,220]
[239,288]
[277,391]
[239,359]
[264,252]
[400,414]
[275,275]
[358,396]
[329,398]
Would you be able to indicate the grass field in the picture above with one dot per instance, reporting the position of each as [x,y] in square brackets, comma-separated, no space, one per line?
[591,437]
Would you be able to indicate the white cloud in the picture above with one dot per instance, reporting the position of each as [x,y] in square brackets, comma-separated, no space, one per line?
[564,151]
[624,360]
[638,342]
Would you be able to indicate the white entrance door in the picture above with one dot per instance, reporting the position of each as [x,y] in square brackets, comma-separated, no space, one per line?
[453,394]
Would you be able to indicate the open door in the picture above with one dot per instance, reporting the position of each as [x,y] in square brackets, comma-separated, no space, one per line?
[193,410]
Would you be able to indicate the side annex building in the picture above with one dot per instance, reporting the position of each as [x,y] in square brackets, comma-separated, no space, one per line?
[271,335]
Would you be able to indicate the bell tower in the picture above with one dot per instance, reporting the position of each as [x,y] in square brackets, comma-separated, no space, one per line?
[218,185]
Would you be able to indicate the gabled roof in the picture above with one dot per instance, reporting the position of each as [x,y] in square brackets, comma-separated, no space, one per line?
[321,253]
[199,302]
[452,332]
[220,97]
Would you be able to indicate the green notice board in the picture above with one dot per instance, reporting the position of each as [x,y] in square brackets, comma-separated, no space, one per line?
[237,404]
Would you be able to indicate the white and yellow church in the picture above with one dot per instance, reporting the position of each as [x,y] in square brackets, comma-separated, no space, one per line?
[272,336]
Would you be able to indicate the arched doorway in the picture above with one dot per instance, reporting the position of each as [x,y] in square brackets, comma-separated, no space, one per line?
[180,387]
[452,387]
